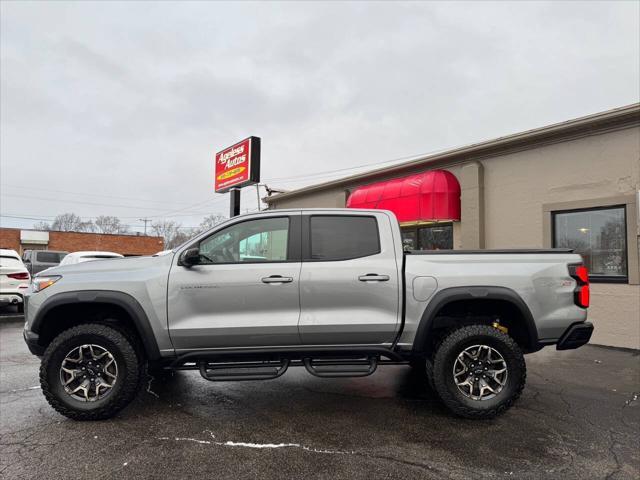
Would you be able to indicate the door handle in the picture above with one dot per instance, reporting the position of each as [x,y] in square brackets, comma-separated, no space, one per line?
[373,277]
[277,279]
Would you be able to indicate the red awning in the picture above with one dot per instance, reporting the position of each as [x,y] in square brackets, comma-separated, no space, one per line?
[423,197]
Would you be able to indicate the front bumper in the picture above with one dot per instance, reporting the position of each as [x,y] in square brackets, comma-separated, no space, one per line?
[575,336]
[31,339]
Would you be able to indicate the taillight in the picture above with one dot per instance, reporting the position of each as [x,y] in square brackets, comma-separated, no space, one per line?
[581,294]
[19,276]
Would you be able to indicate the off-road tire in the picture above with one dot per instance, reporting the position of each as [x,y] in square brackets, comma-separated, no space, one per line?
[126,385]
[446,355]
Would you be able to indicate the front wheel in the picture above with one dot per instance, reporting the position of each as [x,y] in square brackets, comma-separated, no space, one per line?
[479,372]
[90,372]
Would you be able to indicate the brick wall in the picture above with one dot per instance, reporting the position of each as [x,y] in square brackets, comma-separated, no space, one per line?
[10,238]
[75,241]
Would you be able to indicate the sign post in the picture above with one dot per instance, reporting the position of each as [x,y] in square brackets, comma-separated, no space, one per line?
[237,166]
[234,209]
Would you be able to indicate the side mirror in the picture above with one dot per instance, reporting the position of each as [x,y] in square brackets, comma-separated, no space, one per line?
[190,257]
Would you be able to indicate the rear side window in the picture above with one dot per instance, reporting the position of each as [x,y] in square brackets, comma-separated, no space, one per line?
[50,257]
[342,237]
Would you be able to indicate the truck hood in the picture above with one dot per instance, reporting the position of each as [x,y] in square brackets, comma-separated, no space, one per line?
[126,264]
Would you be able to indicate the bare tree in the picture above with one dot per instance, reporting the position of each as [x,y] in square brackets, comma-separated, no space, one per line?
[180,237]
[109,224]
[70,222]
[169,231]
[41,226]
[210,222]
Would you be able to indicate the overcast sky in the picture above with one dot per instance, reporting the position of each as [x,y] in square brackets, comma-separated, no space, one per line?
[117,108]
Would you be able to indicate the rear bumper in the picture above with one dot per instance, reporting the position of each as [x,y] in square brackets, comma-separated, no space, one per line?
[575,336]
[10,298]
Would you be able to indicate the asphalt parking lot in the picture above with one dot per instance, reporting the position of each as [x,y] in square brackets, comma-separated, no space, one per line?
[578,418]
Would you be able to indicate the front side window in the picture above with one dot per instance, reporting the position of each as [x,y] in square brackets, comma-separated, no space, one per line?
[599,235]
[342,237]
[261,240]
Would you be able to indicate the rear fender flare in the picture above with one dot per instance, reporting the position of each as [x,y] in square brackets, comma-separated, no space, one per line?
[448,295]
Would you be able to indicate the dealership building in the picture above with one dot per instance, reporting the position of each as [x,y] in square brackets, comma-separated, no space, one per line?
[574,184]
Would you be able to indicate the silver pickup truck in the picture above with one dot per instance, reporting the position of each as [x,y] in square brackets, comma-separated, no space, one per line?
[330,290]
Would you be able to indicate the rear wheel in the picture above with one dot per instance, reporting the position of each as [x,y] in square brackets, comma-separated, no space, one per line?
[478,371]
[90,372]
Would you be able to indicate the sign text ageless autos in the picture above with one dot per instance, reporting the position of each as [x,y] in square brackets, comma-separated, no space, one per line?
[238,165]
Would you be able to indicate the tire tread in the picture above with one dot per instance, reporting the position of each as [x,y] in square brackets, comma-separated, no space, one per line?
[449,398]
[129,388]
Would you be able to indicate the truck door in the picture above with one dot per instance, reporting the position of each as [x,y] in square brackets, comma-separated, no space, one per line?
[244,291]
[349,282]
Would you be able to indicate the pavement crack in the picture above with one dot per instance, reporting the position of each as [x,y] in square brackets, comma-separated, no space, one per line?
[611,448]
[151,379]
[258,446]
[37,387]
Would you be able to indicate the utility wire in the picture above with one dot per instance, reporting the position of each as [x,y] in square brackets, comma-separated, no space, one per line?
[165,202]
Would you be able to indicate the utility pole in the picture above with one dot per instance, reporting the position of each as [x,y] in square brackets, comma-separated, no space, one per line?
[145,220]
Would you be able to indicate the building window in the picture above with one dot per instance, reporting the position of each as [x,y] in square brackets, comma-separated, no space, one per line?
[599,235]
[432,237]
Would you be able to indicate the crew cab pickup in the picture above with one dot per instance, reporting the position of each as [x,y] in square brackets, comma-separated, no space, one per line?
[329,290]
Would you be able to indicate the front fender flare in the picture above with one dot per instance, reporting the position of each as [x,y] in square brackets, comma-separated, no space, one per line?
[123,300]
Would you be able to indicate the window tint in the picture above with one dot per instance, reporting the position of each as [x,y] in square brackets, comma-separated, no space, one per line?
[343,237]
[598,235]
[50,257]
[263,240]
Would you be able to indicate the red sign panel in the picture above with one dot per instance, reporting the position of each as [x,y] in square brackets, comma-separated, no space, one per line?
[238,165]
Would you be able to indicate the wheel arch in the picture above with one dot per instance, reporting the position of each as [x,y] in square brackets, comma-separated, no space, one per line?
[488,300]
[134,318]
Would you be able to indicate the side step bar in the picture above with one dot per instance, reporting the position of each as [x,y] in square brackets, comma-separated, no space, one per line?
[336,368]
[260,354]
[226,372]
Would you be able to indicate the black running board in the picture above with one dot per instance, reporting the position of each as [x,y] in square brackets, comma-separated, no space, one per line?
[227,372]
[341,367]
[275,353]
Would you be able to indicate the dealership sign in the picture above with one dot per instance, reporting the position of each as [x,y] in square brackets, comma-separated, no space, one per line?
[238,165]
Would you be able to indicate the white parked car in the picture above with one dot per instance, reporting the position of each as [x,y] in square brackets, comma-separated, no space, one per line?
[81,257]
[14,279]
